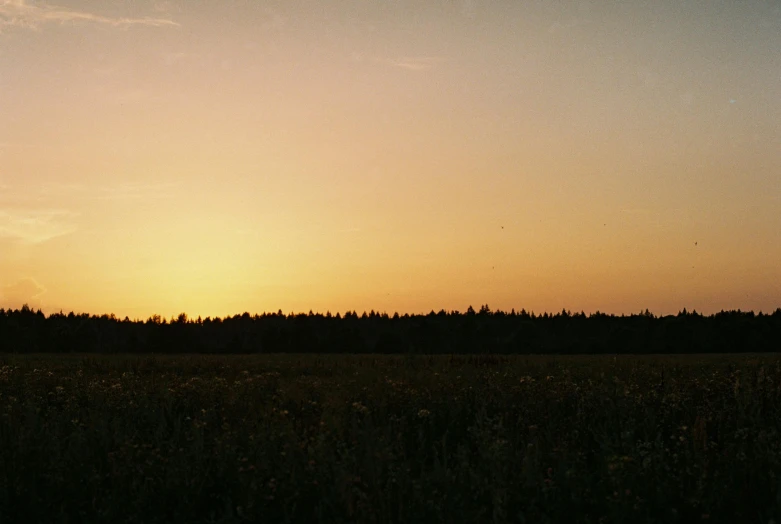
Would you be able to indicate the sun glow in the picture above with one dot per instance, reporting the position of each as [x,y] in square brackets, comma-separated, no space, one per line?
[160,159]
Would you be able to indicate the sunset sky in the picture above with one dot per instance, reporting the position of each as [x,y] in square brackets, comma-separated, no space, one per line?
[218,157]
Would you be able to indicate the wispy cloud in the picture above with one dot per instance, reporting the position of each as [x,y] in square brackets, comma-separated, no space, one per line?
[416,63]
[126,190]
[176,57]
[137,191]
[35,226]
[20,13]
[28,199]
[26,290]
[411,63]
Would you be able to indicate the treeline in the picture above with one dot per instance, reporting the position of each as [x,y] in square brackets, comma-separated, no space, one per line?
[483,331]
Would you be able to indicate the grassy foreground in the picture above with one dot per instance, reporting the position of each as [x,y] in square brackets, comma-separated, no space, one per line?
[390,439]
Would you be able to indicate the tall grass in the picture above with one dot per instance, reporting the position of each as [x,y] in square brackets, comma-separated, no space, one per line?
[390,439]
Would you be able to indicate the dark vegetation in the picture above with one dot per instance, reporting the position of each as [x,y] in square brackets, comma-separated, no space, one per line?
[484,331]
[390,439]
[477,435]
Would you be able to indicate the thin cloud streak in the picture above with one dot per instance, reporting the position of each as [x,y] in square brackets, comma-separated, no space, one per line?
[134,191]
[416,63]
[116,192]
[35,226]
[25,290]
[176,57]
[18,13]
[16,201]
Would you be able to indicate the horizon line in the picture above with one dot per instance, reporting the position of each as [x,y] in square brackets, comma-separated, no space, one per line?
[328,314]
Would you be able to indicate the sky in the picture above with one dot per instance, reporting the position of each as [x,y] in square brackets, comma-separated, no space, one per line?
[218,157]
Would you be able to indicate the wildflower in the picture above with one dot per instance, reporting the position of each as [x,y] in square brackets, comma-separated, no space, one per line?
[423,413]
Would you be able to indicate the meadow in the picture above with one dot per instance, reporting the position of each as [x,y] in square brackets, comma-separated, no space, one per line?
[387,439]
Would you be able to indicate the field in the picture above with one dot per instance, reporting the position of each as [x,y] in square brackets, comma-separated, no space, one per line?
[390,439]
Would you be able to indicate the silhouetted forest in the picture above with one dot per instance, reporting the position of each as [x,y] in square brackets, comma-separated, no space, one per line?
[472,332]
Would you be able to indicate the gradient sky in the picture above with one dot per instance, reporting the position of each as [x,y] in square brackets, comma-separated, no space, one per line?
[221,157]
